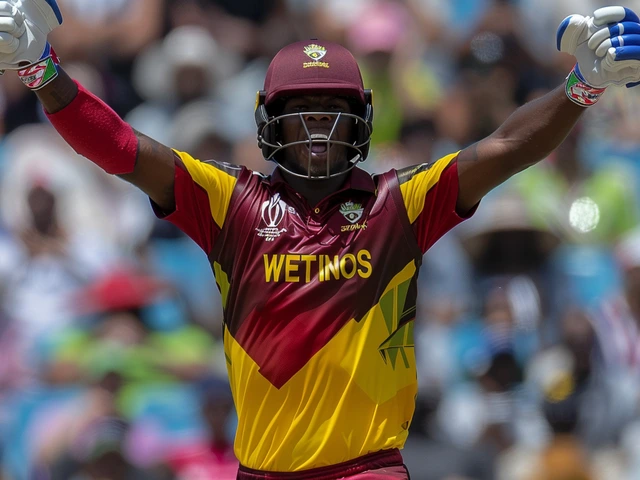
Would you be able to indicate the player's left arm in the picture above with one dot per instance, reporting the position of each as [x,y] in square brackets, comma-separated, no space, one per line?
[526,137]
[607,49]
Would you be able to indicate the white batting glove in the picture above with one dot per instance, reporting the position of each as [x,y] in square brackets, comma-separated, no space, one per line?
[607,50]
[24,26]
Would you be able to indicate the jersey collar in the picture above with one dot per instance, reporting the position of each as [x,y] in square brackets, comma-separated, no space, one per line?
[357,179]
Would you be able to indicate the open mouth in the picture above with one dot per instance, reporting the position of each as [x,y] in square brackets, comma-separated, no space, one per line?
[319,144]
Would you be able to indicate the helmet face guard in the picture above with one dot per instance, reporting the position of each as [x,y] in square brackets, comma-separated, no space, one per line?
[268,135]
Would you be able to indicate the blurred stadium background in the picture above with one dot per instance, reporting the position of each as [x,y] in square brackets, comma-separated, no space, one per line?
[528,331]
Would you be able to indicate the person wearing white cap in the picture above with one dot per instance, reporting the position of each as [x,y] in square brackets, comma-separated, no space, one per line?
[617,320]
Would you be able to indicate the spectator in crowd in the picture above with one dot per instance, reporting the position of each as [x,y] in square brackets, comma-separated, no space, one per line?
[212,456]
[617,320]
[99,453]
[129,354]
[584,204]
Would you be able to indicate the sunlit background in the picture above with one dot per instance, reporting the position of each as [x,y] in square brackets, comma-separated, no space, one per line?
[528,330]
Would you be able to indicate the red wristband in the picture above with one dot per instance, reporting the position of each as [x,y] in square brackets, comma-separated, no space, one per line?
[95,131]
[43,72]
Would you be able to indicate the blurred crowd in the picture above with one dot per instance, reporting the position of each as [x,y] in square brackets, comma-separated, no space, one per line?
[528,328]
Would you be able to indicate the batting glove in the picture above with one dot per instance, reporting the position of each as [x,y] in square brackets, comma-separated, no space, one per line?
[24,26]
[607,50]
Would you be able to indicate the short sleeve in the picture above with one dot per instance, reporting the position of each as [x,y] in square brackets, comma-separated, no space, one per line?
[202,192]
[430,193]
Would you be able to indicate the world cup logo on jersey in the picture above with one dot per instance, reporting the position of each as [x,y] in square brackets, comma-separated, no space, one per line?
[273,212]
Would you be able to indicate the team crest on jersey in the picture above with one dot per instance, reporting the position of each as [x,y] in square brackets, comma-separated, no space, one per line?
[351,211]
[315,53]
[273,212]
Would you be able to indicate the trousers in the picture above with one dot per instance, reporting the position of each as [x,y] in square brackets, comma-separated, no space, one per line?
[386,473]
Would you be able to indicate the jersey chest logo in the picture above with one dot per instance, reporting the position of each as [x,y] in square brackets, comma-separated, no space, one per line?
[273,212]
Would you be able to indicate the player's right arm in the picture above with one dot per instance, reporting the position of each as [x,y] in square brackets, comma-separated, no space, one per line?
[88,125]
[153,169]
[191,194]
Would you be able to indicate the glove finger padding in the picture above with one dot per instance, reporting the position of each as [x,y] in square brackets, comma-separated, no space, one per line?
[576,29]
[624,28]
[607,50]
[626,69]
[606,15]
[8,43]
[8,10]
[11,26]
[620,58]
[40,17]
[615,42]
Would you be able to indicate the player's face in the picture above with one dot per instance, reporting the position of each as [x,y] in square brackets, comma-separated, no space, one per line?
[319,113]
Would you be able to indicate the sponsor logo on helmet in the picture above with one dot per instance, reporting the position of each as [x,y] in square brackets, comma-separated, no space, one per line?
[273,212]
[315,53]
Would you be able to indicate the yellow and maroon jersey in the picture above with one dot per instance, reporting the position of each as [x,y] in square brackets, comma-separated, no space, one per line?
[318,303]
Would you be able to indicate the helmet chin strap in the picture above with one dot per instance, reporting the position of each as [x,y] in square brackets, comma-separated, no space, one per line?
[309,142]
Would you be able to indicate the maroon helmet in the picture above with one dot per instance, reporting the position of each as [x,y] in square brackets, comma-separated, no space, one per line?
[314,67]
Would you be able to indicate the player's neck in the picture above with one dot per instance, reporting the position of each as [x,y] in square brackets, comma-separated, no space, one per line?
[314,191]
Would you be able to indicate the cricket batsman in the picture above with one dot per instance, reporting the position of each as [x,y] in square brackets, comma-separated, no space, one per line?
[317,263]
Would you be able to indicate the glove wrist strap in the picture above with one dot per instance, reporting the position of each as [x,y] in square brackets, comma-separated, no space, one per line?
[579,91]
[41,73]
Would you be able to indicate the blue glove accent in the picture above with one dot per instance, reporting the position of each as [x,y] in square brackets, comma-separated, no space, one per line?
[624,28]
[631,85]
[627,40]
[613,29]
[576,69]
[46,52]
[561,29]
[54,6]
[629,17]
[631,52]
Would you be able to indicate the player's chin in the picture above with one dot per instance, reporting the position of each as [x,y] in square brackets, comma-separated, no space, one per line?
[321,167]
[316,164]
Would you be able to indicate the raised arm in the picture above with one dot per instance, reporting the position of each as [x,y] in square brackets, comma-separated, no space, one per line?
[526,137]
[152,168]
[89,126]
[537,128]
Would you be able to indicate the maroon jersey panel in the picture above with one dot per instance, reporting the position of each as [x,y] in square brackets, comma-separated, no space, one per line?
[298,275]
